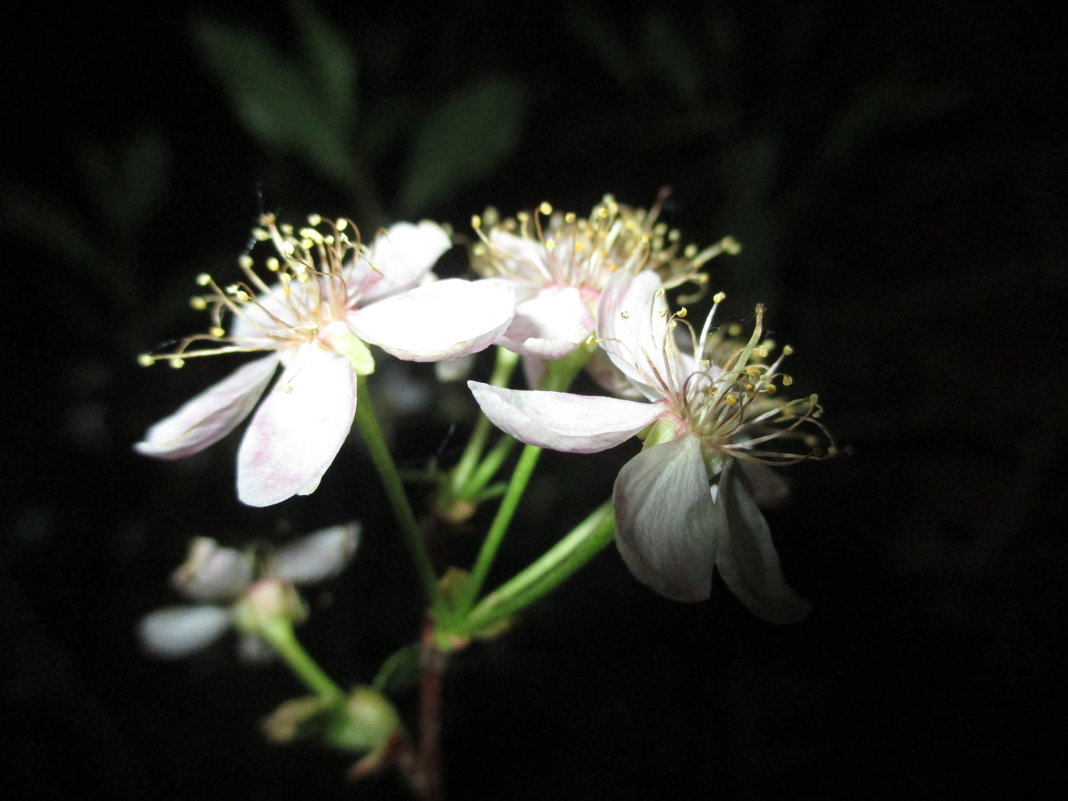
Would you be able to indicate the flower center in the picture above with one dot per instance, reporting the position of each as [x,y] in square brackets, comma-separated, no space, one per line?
[553,248]
[318,274]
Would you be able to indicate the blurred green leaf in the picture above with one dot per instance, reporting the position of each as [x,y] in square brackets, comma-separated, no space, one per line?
[463,140]
[290,107]
[127,184]
[671,57]
[597,36]
[400,672]
[331,62]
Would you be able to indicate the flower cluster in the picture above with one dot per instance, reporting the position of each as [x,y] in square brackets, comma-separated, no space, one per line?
[707,408]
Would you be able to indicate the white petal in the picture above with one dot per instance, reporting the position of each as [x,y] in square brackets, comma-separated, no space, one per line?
[298,429]
[318,556]
[767,486]
[747,560]
[403,255]
[440,320]
[549,325]
[213,573]
[211,415]
[182,630]
[563,421]
[633,328]
[665,520]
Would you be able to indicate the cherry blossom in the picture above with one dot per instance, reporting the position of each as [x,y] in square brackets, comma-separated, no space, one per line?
[684,505]
[330,298]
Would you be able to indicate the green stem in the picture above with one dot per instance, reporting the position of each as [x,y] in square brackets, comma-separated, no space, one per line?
[459,483]
[489,466]
[279,635]
[558,377]
[549,571]
[528,459]
[398,499]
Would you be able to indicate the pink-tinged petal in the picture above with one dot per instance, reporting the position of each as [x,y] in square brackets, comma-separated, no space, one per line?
[213,573]
[609,377]
[665,520]
[211,415]
[298,429]
[746,559]
[271,312]
[436,321]
[182,630]
[633,327]
[534,370]
[562,421]
[404,255]
[549,325]
[318,556]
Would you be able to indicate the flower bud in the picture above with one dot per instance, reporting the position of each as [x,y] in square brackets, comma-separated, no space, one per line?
[268,602]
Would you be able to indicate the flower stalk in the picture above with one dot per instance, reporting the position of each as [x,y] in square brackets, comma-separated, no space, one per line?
[398,499]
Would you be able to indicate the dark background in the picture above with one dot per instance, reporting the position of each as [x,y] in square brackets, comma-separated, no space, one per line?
[896,173]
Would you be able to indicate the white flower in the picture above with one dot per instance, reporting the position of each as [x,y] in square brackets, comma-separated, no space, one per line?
[217,578]
[682,505]
[332,297]
[559,263]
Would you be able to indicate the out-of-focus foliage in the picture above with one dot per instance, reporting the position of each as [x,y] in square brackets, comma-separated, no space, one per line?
[308,106]
[462,141]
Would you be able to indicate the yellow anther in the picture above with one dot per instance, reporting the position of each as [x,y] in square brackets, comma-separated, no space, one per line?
[719,297]
[660,292]
[145,360]
[217,331]
[476,221]
[342,224]
[314,219]
[734,329]
[787,350]
[273,264]
[570,218]
[203,279]
[198,303]
[245,262]
[787,380]
[260,235]
[625,315]
[176,362]
[731,399]
[681,312]
[545,208]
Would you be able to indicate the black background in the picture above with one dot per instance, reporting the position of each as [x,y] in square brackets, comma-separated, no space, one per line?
[897,175]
